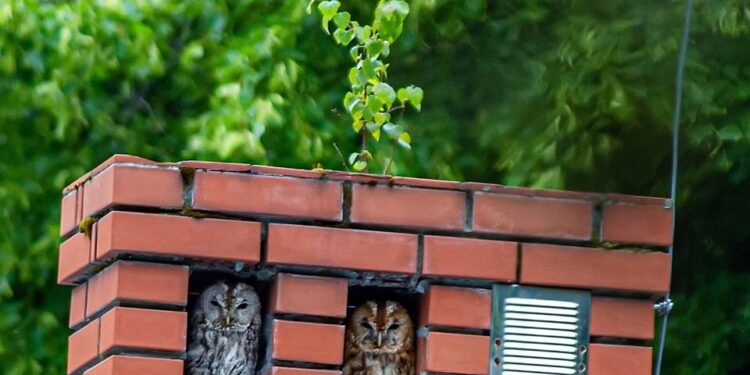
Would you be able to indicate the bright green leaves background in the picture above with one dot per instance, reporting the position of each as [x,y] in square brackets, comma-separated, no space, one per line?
[557,94]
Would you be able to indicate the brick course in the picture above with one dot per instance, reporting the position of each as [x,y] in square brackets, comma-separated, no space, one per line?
[454,353]
[137,282]
[408,207]
[256,194]
[533,216]
[169,235]
[342,248]
[307,342]
[309,295]
[469,258]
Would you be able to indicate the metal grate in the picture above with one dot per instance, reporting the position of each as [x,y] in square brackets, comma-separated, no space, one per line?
[539,331]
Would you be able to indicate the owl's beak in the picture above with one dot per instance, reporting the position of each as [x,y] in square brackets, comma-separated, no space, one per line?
[227,320]
[380,338]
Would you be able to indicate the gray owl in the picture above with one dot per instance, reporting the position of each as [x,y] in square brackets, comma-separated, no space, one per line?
[225,331]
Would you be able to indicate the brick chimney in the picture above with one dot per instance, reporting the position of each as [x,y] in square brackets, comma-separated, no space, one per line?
[140,236]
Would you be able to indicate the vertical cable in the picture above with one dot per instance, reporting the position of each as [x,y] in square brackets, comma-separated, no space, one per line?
[673,183]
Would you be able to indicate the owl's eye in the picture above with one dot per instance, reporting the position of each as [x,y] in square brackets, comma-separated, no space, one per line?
[394,326]
[215,303]
[365,325]
[241,306]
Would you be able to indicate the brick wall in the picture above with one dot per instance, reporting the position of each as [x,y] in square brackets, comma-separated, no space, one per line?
[134,231]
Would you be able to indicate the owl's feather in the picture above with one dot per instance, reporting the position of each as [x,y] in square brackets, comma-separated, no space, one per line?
[380,340]
[225,325]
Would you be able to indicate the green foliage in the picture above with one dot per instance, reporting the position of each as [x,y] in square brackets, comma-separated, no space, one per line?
[370,101]
[555,94]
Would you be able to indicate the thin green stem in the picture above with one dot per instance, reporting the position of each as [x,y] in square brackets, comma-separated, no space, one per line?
[387,169]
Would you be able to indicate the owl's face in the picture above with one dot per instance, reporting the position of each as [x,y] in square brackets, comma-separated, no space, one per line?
[230,307]
[383,326]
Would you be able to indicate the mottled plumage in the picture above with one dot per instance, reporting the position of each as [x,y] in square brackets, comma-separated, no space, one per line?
[380,340]
[225,331]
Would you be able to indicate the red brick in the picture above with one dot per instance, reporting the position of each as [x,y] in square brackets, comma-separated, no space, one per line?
[130,365]
[215,166]
[79,203]
[213,239]
[620,317]
[362,178]
[276,370]
[637,224]
[529,192]
[408,207]
[68,221]
[83,346]
[114,159]
[77,305]
[532,216]
[73,258]
[307,342]
[578,267]
[453,353]
[342,248]
[254,194]
[288,172]
[619,360]
[138,282]
[469,258]
[133,186]
[135,328]
[426,183]
[636,199]
[310,295]
[448,306]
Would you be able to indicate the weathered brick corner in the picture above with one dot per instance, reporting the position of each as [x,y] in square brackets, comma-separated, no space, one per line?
[136,232]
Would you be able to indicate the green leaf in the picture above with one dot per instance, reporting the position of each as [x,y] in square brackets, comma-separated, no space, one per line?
[354,53]
[411,94]
[363,33]
[350,101]
[374,104]
[394,131]
[309,6]
[385,93]
[404,140]
[374,48]
[730,133]
[357,125]
[343,36]
[381,117]
[328,10]
[389,18]
[374,130]
[341,19]
[368,68]
[353,157]
[360,165]
[386,49]
[357,78]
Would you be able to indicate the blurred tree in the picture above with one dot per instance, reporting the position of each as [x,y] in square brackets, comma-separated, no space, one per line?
[557,94]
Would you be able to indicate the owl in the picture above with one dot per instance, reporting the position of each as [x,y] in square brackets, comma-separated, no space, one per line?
[225,330]
[380,340]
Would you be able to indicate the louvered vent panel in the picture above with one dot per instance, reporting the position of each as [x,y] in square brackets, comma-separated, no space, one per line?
[539,331]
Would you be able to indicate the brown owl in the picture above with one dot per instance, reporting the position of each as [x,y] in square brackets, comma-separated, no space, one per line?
[225,331]
[380,340]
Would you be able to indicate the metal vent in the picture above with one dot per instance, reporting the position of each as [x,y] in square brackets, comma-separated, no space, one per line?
[539,331]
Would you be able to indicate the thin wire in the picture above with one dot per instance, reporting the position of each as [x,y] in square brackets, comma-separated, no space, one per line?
[675,149]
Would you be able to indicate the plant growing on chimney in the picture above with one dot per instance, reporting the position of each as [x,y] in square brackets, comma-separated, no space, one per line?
[371,101]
